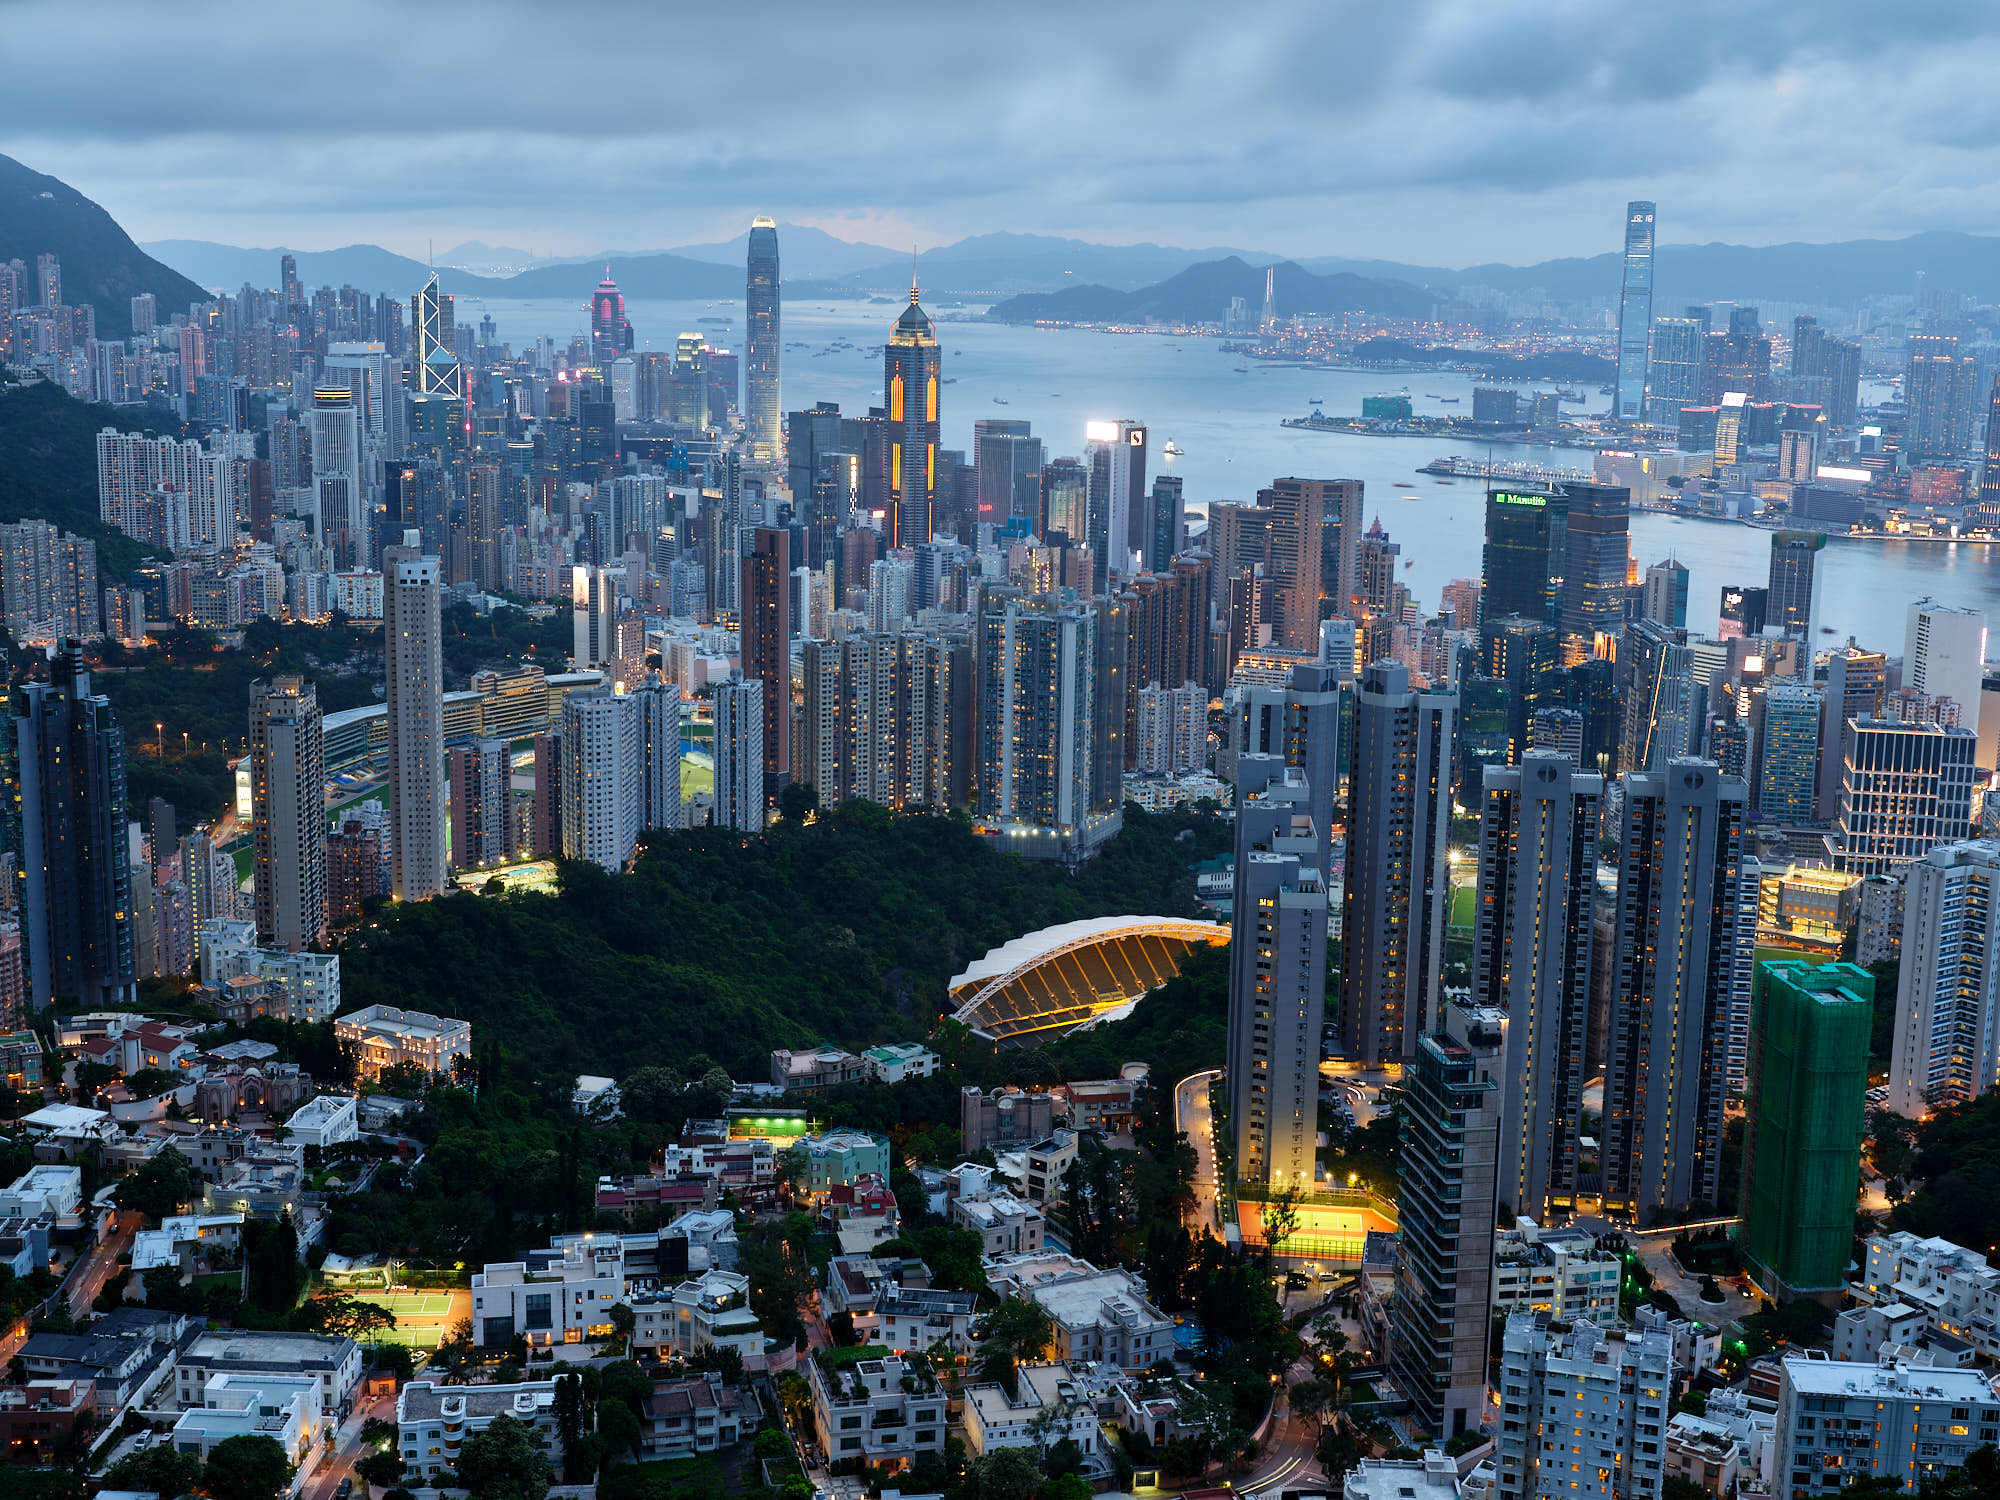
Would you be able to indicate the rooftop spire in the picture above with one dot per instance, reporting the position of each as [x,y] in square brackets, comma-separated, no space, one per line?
[913,274]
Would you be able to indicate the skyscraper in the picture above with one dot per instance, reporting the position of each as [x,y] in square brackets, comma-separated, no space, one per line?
[1666,595]
[48,584]
[1037,682]
[1531,958]
[1115,454]
[761,401]
[912,373]
[603,769]
[339,501]
[1674,368]
[1169,523]
[1940,399]
[1596,562]
[1298,520]
[1946,1046]
[1787,780]
[1989,471]
[1680,923]
[1905,789]
[288,813]
[766,632]
[594,594]
[1398,890]
[75,876]
[1944,655]
[1277,977]
[610,333]
[1341,546]
[482,803]
[1857,687]
[1524,540]
[1635,312]
[1808,1117]
[1008,460]
[739,754]
[413,644]
[657,708]
[1440,1323]
[1793,598]
[431,322]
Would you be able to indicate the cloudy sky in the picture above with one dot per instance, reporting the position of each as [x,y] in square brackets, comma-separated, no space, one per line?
[1437,131]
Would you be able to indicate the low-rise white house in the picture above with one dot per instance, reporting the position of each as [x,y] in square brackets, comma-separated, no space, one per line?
[184,1240]
[51,1190]
[333,1361]
[1047,1406]
[1100,1316]
[1006,1225]
[896,1061]
[328,1120]
[882,1411]
[565,1299]
[434,1421]
[711,1311]
[285,1408]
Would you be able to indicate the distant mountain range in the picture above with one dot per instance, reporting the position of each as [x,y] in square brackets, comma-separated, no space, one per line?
[103,266]
[1202,293]
[100,264]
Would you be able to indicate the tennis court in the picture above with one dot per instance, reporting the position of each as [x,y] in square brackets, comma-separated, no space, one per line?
[408,1303]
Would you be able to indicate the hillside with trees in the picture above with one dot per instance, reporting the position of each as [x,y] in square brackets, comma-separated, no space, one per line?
[48,464]
[843,929]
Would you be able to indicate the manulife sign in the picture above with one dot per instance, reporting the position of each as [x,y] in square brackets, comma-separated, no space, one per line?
[1519,497]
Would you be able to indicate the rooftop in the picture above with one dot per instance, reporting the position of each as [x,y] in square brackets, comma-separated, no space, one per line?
[421,1401]
[1833,1377]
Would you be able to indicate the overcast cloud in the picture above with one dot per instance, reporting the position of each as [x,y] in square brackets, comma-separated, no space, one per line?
[1436,131]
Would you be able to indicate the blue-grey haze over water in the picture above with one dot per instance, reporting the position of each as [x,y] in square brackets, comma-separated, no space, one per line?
[1188,392]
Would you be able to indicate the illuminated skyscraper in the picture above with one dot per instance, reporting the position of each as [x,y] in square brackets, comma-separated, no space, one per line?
[1116,456]
[1037,686]
[1674,366]
[912,368]
[761,409]
[1524,537]
[1940,396]
[1298,522]
[1532,959]
[413,645]
[1680,926]
[288,813]
[610,333]
[437,368]
[739,754]
[1635,312]
[1596,561]
[1277,976]
[1398,888]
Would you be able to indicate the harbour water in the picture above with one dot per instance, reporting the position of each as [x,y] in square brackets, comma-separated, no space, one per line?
[1190,392]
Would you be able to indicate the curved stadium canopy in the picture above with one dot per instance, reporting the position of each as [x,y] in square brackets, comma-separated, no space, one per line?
[1047,983]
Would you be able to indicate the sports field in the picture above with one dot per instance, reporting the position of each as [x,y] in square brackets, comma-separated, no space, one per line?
[423,1318]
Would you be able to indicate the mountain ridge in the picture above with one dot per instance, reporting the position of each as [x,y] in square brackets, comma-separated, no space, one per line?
[41,215]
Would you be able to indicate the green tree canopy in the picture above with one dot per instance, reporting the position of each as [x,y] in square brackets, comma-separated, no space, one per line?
[248,1467]
[160,1187]
[504,1462]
